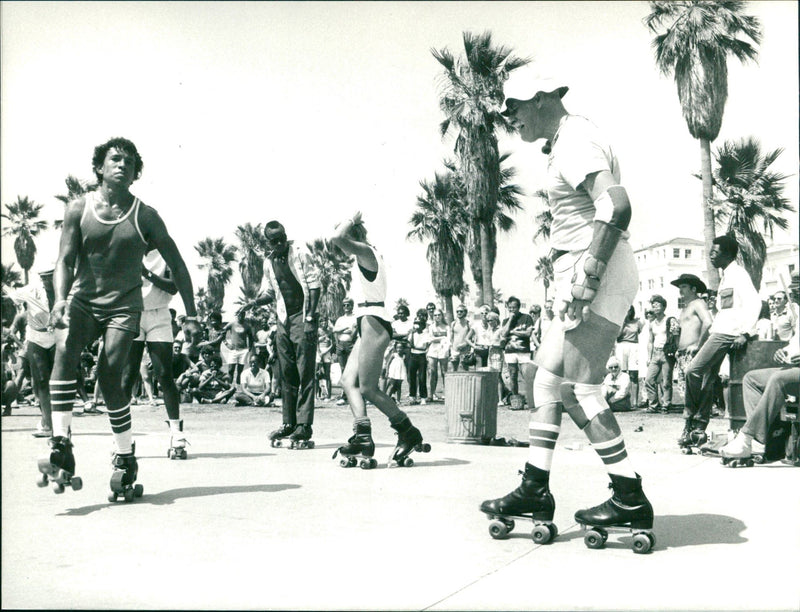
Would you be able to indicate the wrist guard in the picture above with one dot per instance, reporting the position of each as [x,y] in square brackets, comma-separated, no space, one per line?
[586,282]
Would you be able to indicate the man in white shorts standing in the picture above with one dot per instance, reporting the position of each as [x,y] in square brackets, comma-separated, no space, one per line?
[595,283]
[155,329]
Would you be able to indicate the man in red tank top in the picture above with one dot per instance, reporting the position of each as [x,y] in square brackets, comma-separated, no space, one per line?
[97,284]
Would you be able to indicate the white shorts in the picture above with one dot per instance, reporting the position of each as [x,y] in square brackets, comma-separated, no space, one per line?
[233,356]
[627,353]
[618,287]
[155,326]
[517,357]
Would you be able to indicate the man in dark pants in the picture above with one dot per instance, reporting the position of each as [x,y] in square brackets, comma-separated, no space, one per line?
[291,280]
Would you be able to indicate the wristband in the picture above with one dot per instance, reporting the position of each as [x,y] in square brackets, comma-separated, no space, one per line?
[58,303]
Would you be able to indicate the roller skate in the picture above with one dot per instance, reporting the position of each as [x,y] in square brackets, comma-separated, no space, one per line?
[531,501]
[628,510]
[739,453]
[694,440]
[277,436]
[409,439]
[301,437]
[122,478]
[359,449]
[177,441]
[58,468]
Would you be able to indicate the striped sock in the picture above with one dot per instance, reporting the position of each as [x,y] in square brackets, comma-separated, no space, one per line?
[120,419]
[542,438]
[62,398]
[615,457]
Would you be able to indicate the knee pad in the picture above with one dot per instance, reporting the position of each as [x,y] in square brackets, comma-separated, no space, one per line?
[583,402]
[546,388]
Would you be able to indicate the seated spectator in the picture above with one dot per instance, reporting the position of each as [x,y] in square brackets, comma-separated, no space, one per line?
[255,385]
[180,362]
[188,381]
[617,387]
[215,385]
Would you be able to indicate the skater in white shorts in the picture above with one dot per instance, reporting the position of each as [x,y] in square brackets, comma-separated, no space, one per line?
[595,282]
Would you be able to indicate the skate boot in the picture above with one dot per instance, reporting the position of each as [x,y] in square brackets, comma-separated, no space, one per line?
[737,453]
[627,510]
[122,478]
[531,501]
[177,441]
[359,449]
[276,437]
[58,467]
[301,437]
[409,439]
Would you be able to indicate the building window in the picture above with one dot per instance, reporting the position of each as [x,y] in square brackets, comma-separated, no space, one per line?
[687,253]
[661,280]
[650,283]
[676,253]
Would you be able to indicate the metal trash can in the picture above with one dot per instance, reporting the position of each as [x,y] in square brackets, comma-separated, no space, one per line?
[758,354]
[470,404]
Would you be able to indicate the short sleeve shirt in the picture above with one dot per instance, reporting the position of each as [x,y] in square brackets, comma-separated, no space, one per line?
[579,149]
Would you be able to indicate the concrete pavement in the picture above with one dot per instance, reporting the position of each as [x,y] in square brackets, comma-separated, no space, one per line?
[240,525]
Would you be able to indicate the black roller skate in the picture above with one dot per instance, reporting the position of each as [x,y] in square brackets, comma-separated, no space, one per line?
[359,449]
[685,441]
[531,501]
[409,439]
[177,442]
[301,437]
[58,468]
[122,478]
[627,510]
[276,437]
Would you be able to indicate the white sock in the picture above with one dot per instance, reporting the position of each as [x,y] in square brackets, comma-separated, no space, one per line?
[123,441]
[62,422]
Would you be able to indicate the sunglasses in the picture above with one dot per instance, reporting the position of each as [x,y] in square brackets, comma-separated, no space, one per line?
[613,368]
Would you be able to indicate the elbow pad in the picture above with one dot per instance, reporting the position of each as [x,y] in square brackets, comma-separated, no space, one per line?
[614,207]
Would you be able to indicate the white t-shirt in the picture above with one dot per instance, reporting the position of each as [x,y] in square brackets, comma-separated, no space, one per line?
[255,383]
[579,149]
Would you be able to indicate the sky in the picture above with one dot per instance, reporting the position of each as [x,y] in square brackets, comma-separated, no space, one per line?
[306,112]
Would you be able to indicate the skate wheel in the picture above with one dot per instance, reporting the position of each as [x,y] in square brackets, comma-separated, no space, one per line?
[553,530]
[652,537]
[183,454]
[687,451]
[364,464]
[128,495]
[603,533]
[76,483]
[42,482]
[497,530]
[112,497]
[426,448]
[641,543]
[343,463]
[169,454]
[373,463]
[541,534]
[593,540]
[408,462]
[58,488]
[138,490]
[309,444]
[759,459]
[510,524]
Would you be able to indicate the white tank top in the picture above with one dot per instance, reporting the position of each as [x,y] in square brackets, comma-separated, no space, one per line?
[152,296]
[370,296]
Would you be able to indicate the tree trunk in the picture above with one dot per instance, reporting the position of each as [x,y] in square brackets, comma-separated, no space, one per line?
[487,290]
[449,311]
[709,231]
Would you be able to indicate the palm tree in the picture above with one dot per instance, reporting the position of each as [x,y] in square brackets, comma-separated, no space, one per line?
[544,219]
[334,277]
[440,218]
[253,246]
[750,194]
[544,272]
[472,97]
[23,222]
[75,189]
[203,303]
[694,47]
[217,258]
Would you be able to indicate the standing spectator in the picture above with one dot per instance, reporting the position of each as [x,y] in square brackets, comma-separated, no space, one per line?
[291,280]
[784,321]
[418,341]
[396,371]
[255,386]
[438,352]
[617,387]
[344,335]
[482,338]
[627,352]
[460,340]
[764,328]
[548,318]
[738,306]
[695,321]
[324,357]
[516,333]
[536,334]
[661,348]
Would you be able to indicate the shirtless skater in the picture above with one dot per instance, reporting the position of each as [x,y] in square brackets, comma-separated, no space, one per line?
[97,281]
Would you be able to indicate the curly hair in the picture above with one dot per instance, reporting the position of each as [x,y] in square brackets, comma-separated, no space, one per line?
[123,144]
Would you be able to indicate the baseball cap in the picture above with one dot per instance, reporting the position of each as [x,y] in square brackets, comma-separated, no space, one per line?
[523,83]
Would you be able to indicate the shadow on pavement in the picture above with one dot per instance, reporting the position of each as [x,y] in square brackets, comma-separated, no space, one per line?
[674,531]
[171,495]
[420,462]
[192,455]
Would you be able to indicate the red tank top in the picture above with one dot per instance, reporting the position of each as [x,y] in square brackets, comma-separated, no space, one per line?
[109,271]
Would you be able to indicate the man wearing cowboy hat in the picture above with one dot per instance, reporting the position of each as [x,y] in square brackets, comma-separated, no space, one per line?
[695,320]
